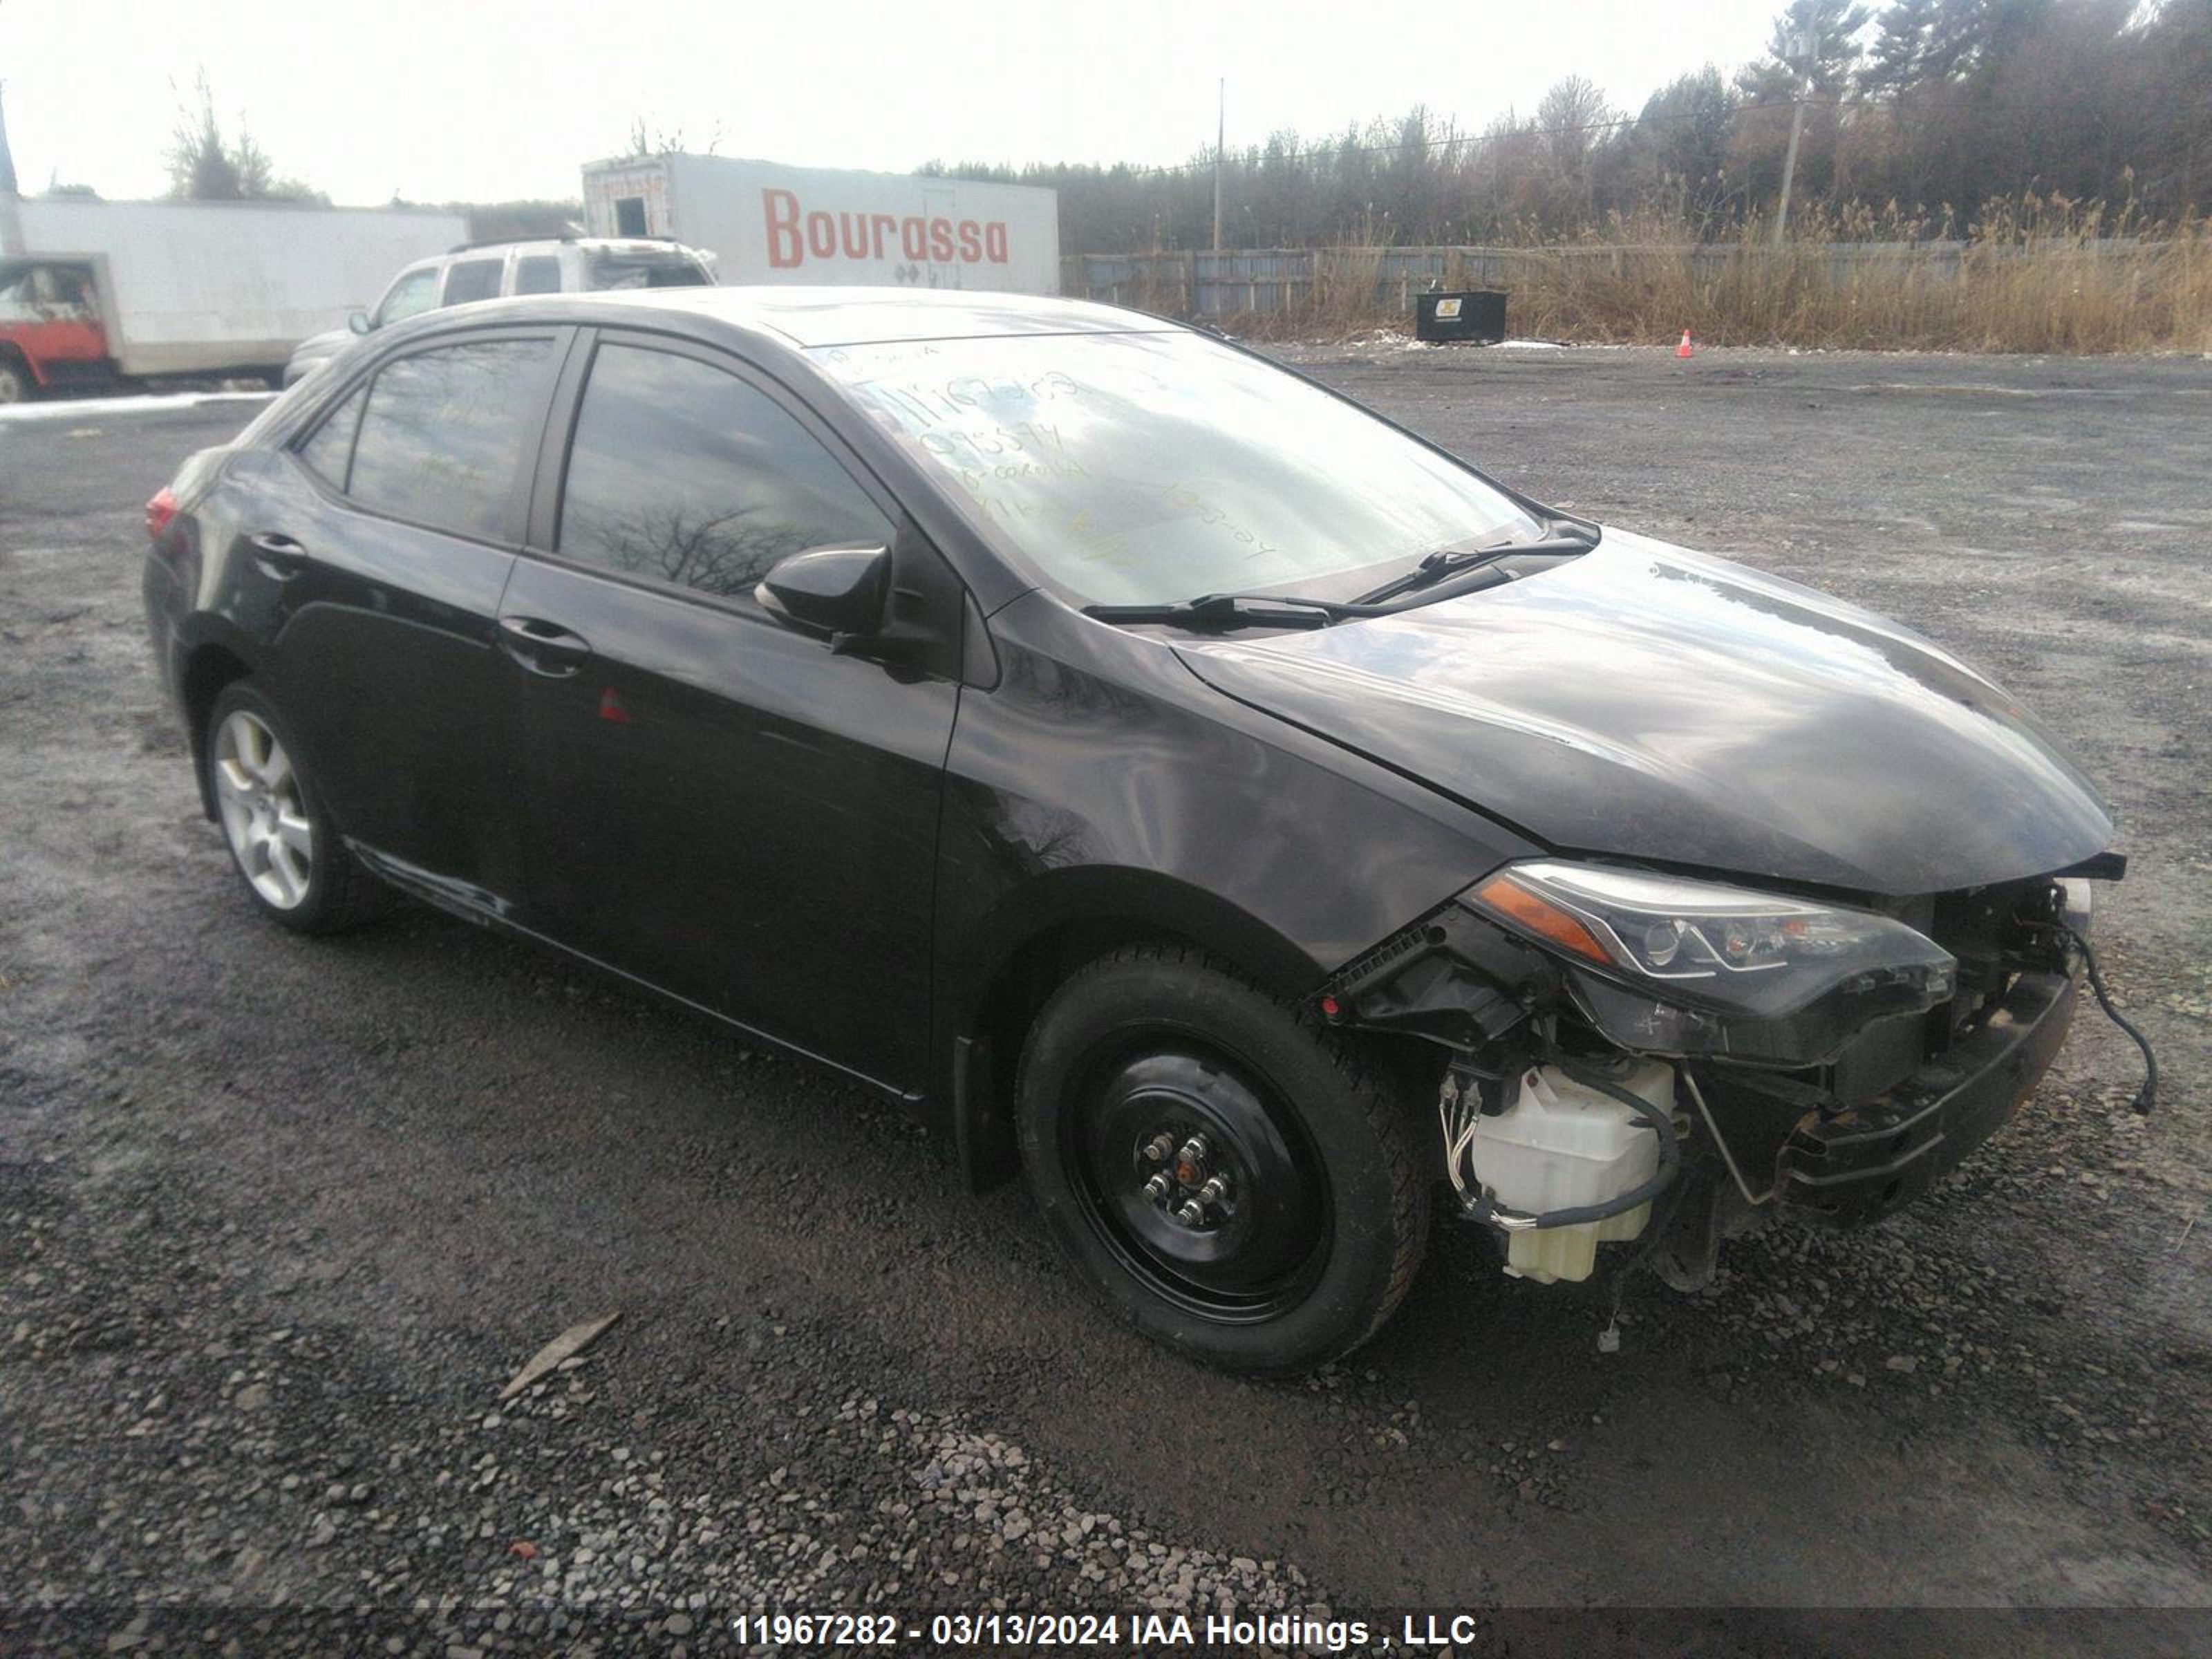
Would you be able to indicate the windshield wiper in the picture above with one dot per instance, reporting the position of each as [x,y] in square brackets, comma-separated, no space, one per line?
[1224,611]
[1442,565]
[1227,610]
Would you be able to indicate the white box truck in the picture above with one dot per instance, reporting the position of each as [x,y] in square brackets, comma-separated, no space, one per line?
[91,290]
[772,223]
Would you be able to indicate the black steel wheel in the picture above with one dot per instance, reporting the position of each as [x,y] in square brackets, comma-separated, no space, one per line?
[1199,1182]
[1228,1176]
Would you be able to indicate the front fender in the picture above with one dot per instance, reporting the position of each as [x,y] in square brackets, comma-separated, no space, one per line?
[1101,784]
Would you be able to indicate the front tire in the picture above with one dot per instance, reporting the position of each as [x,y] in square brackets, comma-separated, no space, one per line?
[15,381]
[1227,1175]
[281,839]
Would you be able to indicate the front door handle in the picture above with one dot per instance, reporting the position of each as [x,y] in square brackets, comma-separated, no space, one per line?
[278,555]
[544,647]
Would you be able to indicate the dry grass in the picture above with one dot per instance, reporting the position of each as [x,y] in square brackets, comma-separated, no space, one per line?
[2035,276]
[1344,284]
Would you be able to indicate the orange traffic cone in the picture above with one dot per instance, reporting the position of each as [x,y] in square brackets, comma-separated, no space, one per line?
[1685,349]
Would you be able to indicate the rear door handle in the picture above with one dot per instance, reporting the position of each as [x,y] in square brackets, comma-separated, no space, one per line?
[541,647]
[278,555]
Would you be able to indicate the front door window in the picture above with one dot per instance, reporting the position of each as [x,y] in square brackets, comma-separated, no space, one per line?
[684,473]
[414,293]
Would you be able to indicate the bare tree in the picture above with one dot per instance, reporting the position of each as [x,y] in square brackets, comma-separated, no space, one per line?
[206,166]
[1575,119]
[1937,107]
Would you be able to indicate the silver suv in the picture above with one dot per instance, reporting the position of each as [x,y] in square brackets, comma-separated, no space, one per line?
[493,270]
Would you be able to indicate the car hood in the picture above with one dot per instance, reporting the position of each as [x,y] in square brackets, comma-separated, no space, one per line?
[327,344]
[1642,701]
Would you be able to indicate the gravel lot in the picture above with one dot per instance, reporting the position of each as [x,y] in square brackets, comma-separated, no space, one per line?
[278,1217]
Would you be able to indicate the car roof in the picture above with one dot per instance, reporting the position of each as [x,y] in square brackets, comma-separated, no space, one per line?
[813,316]
[500,246]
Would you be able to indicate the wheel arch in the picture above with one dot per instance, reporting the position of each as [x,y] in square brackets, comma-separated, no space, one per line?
[207,668]
[1001,978]
[14,356]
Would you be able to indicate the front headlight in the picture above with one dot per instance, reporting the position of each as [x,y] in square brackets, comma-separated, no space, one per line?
[1665,964]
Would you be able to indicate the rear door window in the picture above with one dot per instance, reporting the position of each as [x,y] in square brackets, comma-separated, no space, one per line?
[473,279]
[684,472]
[537,273]
[443,430]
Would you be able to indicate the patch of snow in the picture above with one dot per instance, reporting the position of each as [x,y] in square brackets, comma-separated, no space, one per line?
[62,409]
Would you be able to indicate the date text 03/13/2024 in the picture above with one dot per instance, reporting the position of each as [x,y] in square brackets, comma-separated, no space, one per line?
[1145,1630]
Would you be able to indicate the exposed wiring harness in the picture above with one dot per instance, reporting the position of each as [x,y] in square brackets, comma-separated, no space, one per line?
[2147,1097]
[1662,1219]
[1459,1124]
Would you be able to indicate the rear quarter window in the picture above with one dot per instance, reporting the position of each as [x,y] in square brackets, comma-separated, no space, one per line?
[328,450]
[614,270]
[444,431]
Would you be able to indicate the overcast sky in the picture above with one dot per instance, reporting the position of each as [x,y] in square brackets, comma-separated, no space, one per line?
[487,99]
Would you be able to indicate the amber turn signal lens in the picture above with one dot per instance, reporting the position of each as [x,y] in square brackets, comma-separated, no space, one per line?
[1540,917]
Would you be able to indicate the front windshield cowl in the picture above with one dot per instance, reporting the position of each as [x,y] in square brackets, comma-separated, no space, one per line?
[1146,467]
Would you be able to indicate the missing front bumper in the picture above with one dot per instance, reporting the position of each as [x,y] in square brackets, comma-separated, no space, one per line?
[1854,1167]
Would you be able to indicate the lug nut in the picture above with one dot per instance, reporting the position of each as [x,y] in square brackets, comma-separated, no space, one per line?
[1215,1191]
[1191,1214]
[1158,1188]
[1190,1162]
[1157,1148]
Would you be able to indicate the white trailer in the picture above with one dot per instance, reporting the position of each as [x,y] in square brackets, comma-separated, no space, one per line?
[197,288]
[772,223]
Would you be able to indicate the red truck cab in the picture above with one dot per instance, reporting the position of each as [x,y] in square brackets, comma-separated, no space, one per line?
[50,328]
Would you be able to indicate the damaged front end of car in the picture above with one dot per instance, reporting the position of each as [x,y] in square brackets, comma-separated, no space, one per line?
[1635,1054]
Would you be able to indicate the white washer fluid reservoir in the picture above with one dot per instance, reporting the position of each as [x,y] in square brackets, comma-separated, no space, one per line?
[1562,1144]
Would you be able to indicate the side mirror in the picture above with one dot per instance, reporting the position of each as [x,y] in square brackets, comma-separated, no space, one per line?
[838,591]
[359,322]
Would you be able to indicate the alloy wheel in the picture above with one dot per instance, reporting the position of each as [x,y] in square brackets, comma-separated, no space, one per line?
[264,816]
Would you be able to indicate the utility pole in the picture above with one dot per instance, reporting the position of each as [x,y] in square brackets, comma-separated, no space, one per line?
[1220,137]
[11,229]
[1804,46]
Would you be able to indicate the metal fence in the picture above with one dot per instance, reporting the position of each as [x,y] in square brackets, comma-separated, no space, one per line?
[1245,281]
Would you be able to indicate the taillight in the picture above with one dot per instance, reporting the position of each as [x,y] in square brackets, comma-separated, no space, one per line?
[160,513]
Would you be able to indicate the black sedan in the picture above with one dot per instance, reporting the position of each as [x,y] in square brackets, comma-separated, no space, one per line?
[1168,777]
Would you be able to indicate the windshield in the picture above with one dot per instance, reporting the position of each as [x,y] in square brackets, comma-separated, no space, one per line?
[1141,468]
